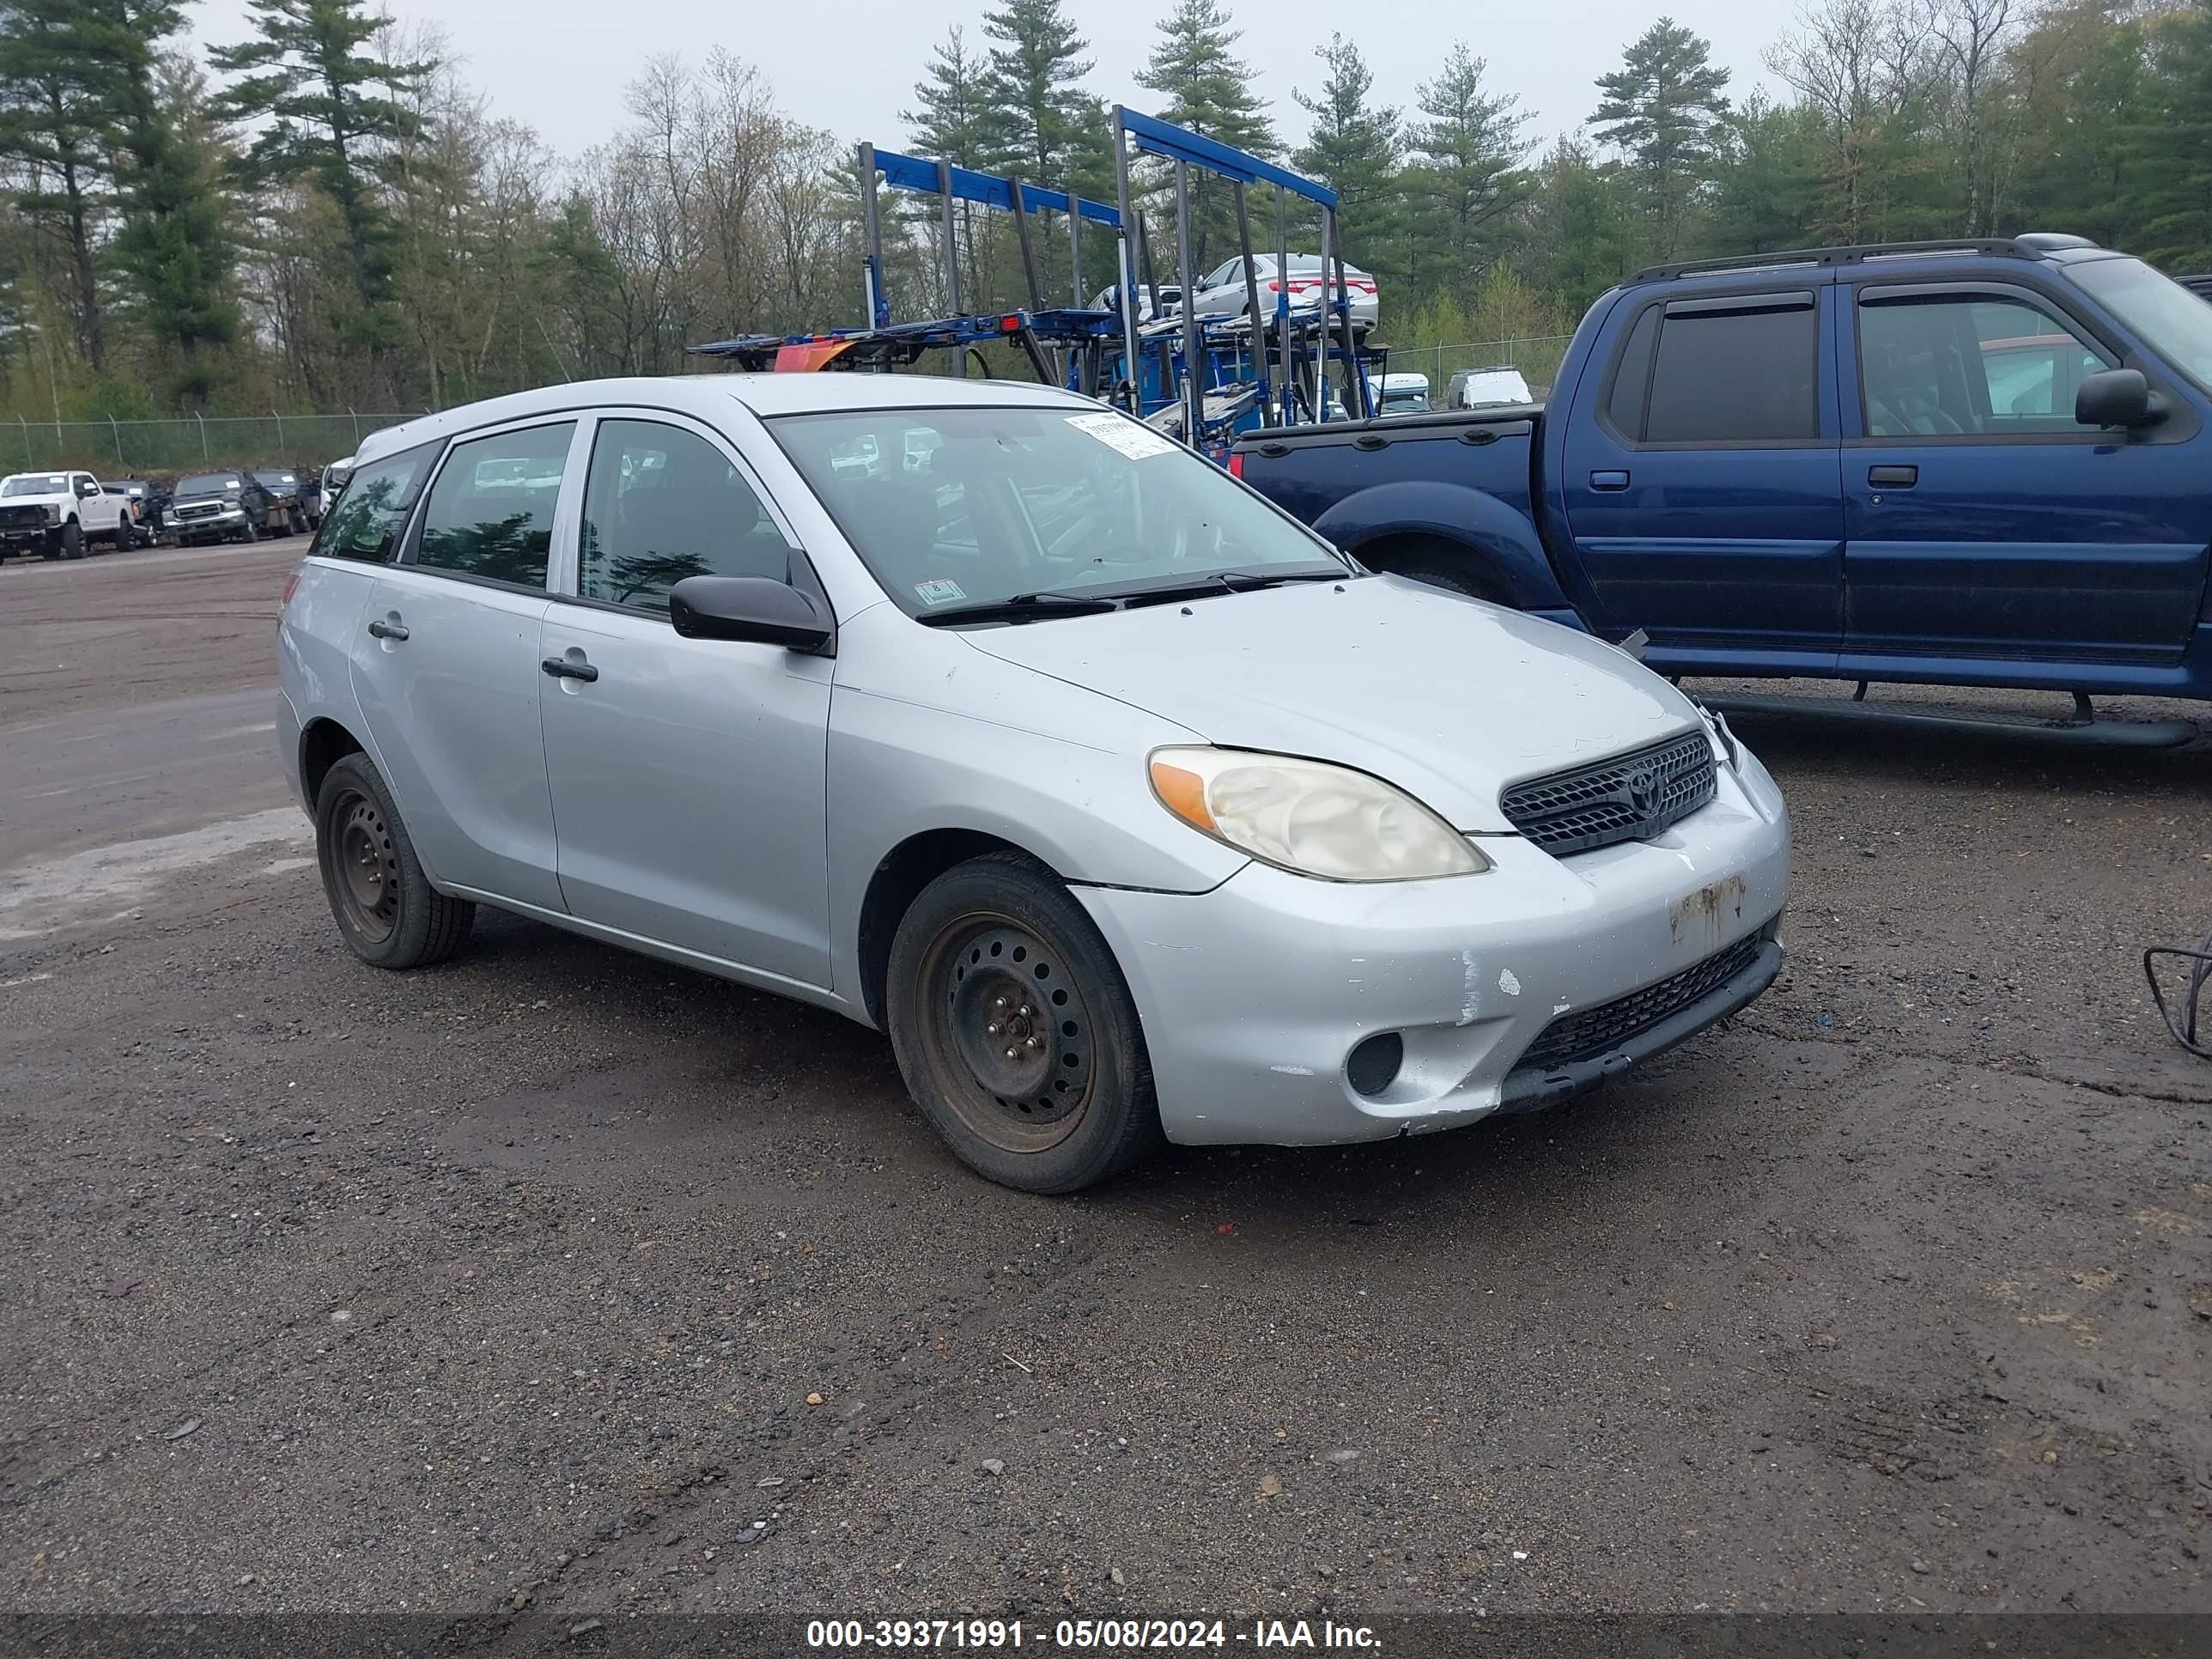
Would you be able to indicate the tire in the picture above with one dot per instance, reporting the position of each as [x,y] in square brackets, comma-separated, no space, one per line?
[126,534]
[1073,1102]
[387,912]
[249,532]
[72,546]
[295,522]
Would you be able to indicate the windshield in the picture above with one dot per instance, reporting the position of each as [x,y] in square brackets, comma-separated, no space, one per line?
[276,477]
[207,483]
[37,484]
[973,506]
[2173,322]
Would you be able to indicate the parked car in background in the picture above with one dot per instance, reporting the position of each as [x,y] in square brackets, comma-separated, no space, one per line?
[58,515]
[1987,464]
[147,499]
[1487,388]
[1073,765]
[1402,394]
[334,480]
[1222,291]
[2200,286]
[287,510]
[219,507]
[1170,301]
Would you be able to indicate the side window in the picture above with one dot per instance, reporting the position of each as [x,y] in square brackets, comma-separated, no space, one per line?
[490,512]
[1623,406]
[1735,377]
[1971,367]
[662,504]
[365,520]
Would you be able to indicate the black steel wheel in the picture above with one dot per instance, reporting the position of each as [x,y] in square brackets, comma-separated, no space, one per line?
[380,894]
[72,546]
[126,534]
[1015,1031]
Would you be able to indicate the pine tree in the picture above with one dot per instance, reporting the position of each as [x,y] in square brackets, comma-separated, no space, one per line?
[1042,125]
[1209,89]
[953,121]
[174,241]
[1353,149]
[2169,196]
[333,109]
[1467,179]
[52,121]
[1661,105]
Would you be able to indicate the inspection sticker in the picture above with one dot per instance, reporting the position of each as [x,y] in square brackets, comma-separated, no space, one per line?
[940,592]
[1118,432]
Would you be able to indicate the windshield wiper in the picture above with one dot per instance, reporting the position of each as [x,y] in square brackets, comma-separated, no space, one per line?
[1022,607]
[1232,581]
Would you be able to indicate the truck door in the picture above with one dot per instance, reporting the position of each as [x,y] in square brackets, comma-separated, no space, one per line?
[1701,482]
[1981,520]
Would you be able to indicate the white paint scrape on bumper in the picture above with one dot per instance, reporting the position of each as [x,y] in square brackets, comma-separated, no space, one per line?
[1254,995]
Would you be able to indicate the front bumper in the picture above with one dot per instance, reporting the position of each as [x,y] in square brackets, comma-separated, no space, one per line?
[1254,995]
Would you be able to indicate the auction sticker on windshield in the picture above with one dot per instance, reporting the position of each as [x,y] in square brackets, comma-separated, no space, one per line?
[1116,432]
[939,592]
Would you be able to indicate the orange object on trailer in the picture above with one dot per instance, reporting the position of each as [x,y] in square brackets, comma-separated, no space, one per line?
[807,355]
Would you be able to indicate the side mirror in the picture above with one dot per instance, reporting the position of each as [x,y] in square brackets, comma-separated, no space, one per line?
[87,490]
[750,608]
[2116,397]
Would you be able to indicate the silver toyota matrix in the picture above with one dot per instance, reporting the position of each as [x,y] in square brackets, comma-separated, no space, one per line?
[990,718]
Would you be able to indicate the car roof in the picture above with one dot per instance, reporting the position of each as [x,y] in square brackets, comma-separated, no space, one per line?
[704,396]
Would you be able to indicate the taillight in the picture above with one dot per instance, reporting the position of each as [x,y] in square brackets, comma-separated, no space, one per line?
[291,587]
[1235,464]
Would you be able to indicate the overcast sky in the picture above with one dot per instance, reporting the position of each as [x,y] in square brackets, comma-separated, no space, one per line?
[850,65]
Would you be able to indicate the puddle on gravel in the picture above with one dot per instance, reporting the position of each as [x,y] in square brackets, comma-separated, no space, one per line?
[38,897]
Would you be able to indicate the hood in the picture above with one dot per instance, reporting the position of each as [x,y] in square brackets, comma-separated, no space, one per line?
[1448,698]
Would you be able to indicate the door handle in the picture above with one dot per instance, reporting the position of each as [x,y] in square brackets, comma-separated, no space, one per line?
[561,669]
[382,630]
[1893,477]
[1608,481]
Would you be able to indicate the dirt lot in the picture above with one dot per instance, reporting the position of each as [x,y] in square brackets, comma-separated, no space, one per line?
[560,1272]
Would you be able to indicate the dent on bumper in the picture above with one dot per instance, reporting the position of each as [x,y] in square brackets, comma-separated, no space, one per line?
[1253,995]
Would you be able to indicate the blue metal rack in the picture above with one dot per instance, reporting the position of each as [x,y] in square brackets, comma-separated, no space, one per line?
[1207,378]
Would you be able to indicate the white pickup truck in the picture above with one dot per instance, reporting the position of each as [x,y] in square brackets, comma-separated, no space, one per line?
[56,515]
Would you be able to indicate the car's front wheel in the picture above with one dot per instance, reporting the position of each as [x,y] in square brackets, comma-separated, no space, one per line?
[1015,1031]
[126,534]
[386,910]
[72,546]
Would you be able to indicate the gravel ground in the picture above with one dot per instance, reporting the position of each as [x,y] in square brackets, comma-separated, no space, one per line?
[562,1274]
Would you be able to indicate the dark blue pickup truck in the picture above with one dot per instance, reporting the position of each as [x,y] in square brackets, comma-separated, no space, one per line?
[1984,463]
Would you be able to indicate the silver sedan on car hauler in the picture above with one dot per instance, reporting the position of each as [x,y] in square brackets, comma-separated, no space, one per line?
[1124,805]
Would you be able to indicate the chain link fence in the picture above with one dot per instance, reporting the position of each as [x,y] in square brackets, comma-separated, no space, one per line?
[187,444]
[1537,356]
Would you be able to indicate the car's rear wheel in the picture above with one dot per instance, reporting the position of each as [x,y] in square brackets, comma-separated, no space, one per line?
[1015,1031]
[385,909]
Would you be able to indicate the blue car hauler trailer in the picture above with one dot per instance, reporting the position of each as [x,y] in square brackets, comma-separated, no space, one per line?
[1233,374]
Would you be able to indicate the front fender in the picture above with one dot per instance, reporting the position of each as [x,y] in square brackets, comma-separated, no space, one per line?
[1493,530]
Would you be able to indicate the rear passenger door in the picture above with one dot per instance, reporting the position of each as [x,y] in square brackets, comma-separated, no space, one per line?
[1982,520]
[688,775]
[1701,482]
[445,661]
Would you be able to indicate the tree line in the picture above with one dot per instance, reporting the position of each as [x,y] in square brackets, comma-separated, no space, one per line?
[325,215]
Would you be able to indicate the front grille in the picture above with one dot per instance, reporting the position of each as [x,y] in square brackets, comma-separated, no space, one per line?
[1631,797]
[24,517]
[205,511]
[1599,1030]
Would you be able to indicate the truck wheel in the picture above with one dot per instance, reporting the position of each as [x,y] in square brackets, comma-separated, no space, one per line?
[387,912]
[247,532]
[1451,579]
[295,522]
[72,540]
[1015,1031]
[126,534]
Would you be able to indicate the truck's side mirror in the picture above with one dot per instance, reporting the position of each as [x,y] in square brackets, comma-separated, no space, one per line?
[87,487]
[2116,397]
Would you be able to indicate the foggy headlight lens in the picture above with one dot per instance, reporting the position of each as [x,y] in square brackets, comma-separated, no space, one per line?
[1310,816]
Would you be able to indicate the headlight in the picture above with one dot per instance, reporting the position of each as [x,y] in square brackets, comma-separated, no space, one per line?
[1310,818]
[53,513]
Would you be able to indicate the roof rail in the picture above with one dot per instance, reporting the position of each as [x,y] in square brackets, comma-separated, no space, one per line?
[2003,247]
